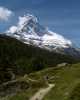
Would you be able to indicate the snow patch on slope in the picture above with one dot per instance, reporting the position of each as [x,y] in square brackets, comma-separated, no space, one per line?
[56,40]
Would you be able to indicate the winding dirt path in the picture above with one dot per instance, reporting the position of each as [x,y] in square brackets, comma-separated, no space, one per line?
[42,92]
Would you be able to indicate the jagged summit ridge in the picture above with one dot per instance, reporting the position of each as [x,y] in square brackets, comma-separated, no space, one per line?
[29,30]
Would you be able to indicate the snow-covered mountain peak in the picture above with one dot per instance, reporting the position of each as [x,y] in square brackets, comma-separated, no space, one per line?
[29,31]
[23,23]
[26,18]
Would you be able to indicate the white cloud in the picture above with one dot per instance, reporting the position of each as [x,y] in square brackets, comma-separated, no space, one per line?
[12,29]
[5,13]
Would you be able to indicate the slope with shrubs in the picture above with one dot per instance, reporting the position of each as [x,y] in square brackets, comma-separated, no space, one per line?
[17,58]
[65,78]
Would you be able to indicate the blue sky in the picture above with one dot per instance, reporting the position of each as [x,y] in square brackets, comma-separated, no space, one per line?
[61,16]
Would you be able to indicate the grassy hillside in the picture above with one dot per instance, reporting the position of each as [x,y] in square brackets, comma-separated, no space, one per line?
[66,80]
[17,58]
[67,83]
[20,89]
[75,94]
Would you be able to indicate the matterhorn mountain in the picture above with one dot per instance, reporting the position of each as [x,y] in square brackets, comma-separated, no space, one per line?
[29,31]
